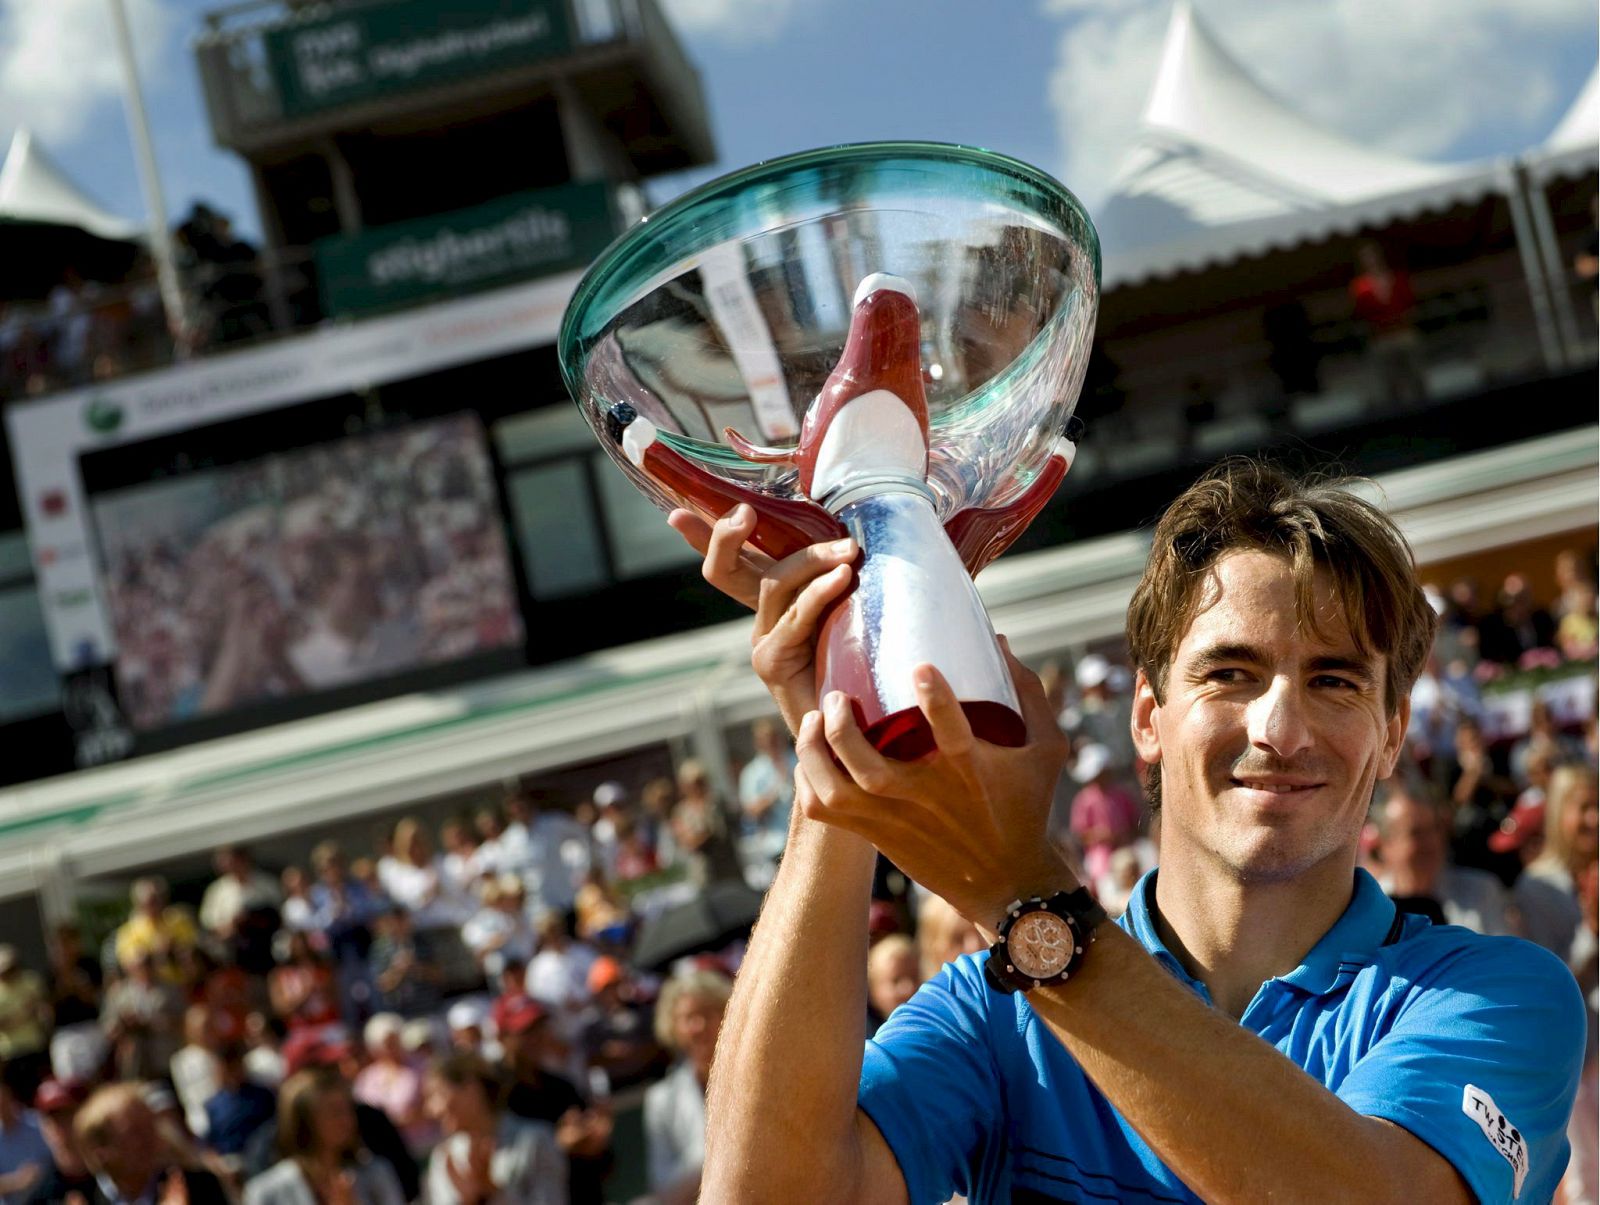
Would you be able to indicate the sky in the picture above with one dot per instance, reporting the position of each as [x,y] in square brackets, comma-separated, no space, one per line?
[1059,83]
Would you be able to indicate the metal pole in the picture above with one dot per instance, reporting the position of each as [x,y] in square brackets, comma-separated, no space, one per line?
[172,295]
[1556,273]
[1532,269]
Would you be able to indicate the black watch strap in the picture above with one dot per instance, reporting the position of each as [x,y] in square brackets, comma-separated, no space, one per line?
[1084,916]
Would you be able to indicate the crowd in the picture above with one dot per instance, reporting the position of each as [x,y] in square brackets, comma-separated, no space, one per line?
[451,1015]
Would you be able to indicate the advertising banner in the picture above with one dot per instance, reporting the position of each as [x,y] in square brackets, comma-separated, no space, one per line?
[510,238]
[362,53]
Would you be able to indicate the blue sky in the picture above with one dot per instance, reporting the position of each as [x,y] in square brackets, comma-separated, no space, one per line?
[1057,82]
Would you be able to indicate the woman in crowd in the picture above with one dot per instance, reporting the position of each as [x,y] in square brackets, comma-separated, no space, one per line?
[303,989]
[488,1156]
[688,1018]
[324,1161]
[1546,893]
[414,878]
[391,1084]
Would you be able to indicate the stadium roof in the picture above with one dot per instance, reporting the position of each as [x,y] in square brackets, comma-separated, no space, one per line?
[1580,128]
[34,189]
[1222,168]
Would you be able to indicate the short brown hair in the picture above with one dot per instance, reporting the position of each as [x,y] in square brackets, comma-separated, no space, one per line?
[1313,523]
[297,1130]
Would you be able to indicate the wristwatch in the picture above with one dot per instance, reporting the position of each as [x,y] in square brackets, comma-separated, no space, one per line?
[1042,941]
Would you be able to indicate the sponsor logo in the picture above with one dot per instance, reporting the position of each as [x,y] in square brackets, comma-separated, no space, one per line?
[1505,1137]
[102,415]
[52,555]
[53,503]
[72,600]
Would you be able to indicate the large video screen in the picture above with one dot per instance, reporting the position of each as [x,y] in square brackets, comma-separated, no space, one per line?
[305,570]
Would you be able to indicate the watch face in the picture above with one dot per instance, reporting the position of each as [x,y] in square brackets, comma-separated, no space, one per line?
[1040,945]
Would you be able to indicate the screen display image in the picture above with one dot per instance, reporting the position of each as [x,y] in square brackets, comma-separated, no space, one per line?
[305,571]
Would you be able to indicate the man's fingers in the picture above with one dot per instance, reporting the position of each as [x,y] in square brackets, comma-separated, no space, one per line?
[696,532]
[790,577]
[729,566]
[868,769]
[951,731]
[1037,714]
[796,623]
[831,786]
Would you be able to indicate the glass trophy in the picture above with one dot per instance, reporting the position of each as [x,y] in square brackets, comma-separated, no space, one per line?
[883,340]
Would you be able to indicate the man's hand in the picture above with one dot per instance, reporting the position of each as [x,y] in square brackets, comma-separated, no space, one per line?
[789,598]
[968,820]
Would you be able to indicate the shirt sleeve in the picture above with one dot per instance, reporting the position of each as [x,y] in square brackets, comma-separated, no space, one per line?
[1482,1063]
[930,1084]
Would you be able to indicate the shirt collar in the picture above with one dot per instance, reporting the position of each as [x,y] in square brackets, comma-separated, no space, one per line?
[1367,923]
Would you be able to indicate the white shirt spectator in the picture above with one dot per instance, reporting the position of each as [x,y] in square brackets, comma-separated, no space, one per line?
[674,1127]
[1473,899]
[527,1166]
[196,1077]
[227,899]
[421,891]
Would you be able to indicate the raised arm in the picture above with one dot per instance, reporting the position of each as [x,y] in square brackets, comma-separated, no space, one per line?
[781,1117]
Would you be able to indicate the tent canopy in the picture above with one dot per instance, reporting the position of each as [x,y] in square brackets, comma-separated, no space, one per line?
[34,190]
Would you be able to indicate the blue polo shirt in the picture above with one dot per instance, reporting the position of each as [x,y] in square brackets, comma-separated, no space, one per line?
[1471,1043]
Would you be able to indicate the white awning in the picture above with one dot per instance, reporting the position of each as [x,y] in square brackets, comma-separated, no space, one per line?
[34,189]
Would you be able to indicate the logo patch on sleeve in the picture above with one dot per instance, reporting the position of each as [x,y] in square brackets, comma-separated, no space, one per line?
[1507,1139]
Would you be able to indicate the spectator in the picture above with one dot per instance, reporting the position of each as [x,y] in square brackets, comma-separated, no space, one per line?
[56,1104]
[389,1082]
[611,801]
[465,1022]
[500,932]
[460,868]
[117,1133]
[141,1017]
[298,912]
[1582,1181]
[414,879]
[943,935]
[617,1034]
[1100,715]
[24,1153]
[892,977]
[636,853]
[602,913]
[196,1069]
[656,802]
[238,1108]
[344,910]
[558,977]
[491,851]
[1105,817]
[550,847]
[700,829]
[324,1160]
[75,981]
[1543,737]
[303,988]
[1123,875]
[25,1017]
[539,1094]
[1416,871]
[1517,625]
[1578,631]
[1546,893]
[402,966]
[766,786]
[488,1155]
[239,889]
[1381,299]
[1575,573]
[264,1038]
[155,928]
[1480,796]
[688,1019]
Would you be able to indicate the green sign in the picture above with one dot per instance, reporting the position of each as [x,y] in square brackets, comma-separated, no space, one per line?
[379,49]
[511,238]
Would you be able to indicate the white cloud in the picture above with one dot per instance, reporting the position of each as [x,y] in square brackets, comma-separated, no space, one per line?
[58,62]
[1416,77]
[735,22]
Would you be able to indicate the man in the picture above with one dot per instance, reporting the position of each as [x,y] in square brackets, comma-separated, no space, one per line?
[155,928]
[766,785]
[132,1165]
[25,1020]
[1262,1024]
[1418,873]
[24,1155]
[56,1104]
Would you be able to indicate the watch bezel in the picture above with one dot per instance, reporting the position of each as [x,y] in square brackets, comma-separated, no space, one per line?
[1076,909]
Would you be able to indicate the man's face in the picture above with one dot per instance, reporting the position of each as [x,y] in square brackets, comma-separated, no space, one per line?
[1413,839]
[1270,738]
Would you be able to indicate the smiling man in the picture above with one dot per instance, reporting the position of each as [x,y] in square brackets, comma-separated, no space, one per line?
[1260,1025]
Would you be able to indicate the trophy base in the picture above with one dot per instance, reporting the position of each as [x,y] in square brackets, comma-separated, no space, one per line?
[905,735]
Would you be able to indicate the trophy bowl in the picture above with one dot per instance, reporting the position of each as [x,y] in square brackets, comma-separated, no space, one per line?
[885,340]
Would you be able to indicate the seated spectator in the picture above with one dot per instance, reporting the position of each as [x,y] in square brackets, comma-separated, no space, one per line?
[1517,626]
[537,1093]
[611,807]
[325,1160]
[1480,797]
[155,928]
[459,864]
[1544,737]
[602,913]
[558,977]
[1578,632]
[303,989]
[656,801]
[241,907]
[1115,888]
[636,854]
[25,1016]
[196,1068]
[1417,874]
[299,914]
[24,1153]
[893,976]
[500,931]
[414,878]
[265,1062]
[488,1155]
[550,848]
[943,935]
[402,966]
[766,785]
[76,979]
[226,988]
[56,1104]
[465,1022]
[617,1033]
[389,1081]
[688,1019]
[141,1018]
[238,1108]
[700,830]
[122,1145]
[1546,893]
[1105,817]
[490,827]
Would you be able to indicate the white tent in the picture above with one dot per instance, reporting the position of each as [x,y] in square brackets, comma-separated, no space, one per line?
[34,189]
[1580,127]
